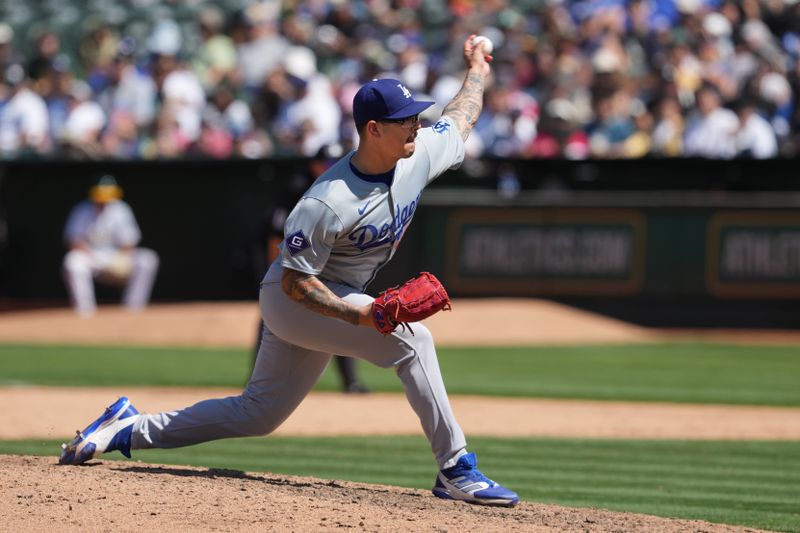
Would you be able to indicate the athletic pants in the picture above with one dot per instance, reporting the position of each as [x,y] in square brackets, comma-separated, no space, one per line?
[294,352]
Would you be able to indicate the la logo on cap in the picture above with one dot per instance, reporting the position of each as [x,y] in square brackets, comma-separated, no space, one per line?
[406,92]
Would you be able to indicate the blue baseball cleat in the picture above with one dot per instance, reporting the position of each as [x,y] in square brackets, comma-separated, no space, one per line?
[112,431]
[465,482]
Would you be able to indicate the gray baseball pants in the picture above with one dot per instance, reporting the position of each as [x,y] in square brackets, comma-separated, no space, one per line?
[295,350]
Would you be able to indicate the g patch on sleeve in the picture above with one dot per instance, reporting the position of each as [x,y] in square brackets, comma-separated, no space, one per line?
[296,242]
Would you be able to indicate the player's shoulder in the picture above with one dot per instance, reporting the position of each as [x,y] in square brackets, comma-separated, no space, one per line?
[442,127]
[119,205]
[81,209]
[338,185]
[83,204]
[330,192]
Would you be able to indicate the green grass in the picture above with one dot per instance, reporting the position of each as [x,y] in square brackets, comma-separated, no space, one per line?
[754,484]
[669,372]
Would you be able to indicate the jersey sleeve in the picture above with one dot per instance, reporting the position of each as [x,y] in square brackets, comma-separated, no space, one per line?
[443,145]
[127,229]
[309,235]
[75,227]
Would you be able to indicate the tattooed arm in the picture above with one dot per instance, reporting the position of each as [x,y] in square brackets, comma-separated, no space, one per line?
[466,106]
[308,290]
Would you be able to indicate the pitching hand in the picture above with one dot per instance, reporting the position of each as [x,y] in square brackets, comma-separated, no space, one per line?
[476,58]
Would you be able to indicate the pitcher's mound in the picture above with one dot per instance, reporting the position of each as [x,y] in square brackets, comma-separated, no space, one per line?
[38,495]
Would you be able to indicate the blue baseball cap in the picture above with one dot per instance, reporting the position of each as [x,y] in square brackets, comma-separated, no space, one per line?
[385,99]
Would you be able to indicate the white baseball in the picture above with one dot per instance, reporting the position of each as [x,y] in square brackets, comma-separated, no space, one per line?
[487,43]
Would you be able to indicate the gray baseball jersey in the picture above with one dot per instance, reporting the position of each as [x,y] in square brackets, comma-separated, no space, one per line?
[348,225]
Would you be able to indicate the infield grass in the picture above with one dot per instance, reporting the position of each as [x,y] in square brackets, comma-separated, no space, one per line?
[754,484]
[668,372]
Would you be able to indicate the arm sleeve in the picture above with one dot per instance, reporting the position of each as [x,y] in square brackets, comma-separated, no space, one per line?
[309,234]
[127,232]
[443,145]
[74,227]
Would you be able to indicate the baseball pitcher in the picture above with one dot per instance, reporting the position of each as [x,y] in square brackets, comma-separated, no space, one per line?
[342,231]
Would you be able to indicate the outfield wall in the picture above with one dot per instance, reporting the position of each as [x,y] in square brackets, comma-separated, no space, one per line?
[680,243]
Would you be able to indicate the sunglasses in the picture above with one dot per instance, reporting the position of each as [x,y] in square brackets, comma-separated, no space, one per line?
[408,122]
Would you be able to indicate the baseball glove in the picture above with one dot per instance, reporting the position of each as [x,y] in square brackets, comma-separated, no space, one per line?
[415,300]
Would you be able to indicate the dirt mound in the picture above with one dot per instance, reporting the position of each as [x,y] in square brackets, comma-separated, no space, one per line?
[119,496]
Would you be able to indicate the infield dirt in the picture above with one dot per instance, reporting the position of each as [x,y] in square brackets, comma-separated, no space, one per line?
[38,495]
[122,497]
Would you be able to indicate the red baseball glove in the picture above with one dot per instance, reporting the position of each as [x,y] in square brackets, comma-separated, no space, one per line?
[415,300]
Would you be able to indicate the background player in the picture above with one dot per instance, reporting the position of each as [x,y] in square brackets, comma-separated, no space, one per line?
[102,235]
[346,226]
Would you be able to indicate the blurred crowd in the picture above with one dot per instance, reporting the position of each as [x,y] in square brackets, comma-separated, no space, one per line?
[160,79]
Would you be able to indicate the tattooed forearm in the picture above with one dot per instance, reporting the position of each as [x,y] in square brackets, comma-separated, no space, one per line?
[466,106]
[308,290]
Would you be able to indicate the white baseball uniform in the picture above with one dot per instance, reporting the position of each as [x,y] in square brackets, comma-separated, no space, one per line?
[343,230]
[105,231]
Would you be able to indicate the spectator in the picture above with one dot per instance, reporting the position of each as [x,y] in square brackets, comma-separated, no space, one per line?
[214,141]
[234,116]
[24,124]
[84,125]
[169,141]
[7,55]
[640,142]
[599,56]
[102,236]
[508,124]
[756,138]
[259,46]
[215,60]
[712,131]
[121,138]
[99,47]
[776,92]
[612,125]
[57,97]
[47,48]
[182,96]
[124,87]
[668,131]
[312,120]
[559,133]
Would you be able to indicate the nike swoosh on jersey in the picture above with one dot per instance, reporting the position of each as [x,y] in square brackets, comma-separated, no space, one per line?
[361,210]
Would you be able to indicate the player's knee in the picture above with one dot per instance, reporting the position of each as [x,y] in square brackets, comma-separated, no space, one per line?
[422,336]
[260,417]
[420,345]
[75,262]
[146,259]
[261,428]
